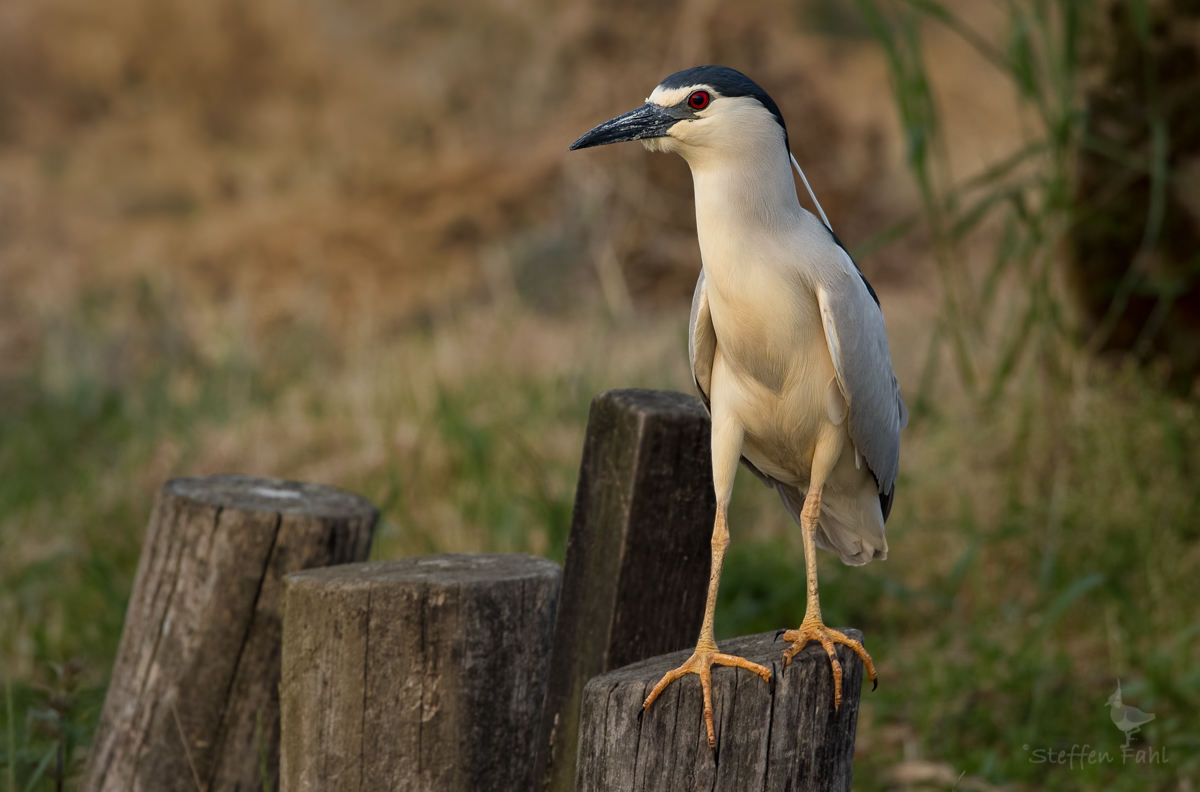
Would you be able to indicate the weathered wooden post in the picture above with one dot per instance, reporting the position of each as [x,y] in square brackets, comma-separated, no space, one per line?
[198,665]
[638,555]
[416,674]
[770,738]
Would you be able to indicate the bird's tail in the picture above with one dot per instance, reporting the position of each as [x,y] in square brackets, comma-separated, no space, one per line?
[851,525]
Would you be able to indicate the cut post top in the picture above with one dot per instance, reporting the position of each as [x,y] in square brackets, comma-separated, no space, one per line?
[786,735]
[763,648]
[456,569]
[644,401]
[247,493]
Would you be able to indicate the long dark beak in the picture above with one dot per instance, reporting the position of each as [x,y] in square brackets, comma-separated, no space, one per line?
[647,121]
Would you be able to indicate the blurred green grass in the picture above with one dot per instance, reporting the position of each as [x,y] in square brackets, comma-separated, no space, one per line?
[1036,557]
[466,432]
[1000,629]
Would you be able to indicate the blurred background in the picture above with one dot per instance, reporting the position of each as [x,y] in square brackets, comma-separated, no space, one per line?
[343,241]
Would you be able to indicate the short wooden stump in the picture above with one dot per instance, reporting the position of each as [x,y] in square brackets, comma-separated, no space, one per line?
[785,735]
[416,674]
[194,698]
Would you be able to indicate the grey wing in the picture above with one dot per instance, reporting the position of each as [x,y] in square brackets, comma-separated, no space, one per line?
[702,340]
[857,340]
[702,348]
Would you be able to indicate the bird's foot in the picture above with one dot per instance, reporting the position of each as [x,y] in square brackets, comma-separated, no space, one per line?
[815,630]
[701,663]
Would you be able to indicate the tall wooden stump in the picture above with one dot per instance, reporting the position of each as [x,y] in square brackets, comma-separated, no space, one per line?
[785,735]
[198,663]
[638,555]
[417,674]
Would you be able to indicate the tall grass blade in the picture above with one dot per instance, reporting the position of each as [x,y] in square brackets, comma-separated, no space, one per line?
[947,18]
[39,772]
[1011,351]
[1021,61]
[995,174]
[1008,249]
[882,239]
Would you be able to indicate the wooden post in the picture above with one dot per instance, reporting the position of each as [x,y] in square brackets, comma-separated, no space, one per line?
[782,736]
[416,674]
[638,554]
[198,663]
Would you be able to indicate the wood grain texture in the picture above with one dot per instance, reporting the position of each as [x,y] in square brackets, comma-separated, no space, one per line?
[638,554]
[416,674]
[200,651]
[770,737]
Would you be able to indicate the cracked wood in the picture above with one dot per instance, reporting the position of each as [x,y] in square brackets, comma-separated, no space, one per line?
[785,735]
[638,554]
[416,674]
[199,653]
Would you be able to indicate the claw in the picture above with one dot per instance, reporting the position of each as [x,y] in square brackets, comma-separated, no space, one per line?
[701,663]
[817,631]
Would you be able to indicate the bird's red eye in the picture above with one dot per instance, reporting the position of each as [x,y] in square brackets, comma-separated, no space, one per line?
[699,100]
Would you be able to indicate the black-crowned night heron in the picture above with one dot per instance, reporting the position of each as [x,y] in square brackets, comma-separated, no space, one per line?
[787,343]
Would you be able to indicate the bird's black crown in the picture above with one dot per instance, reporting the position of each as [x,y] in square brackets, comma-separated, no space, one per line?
[727,82]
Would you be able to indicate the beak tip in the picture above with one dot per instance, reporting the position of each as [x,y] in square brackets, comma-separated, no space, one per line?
[644,122]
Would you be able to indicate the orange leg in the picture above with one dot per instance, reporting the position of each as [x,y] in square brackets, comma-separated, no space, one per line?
[813,628]
[706,654]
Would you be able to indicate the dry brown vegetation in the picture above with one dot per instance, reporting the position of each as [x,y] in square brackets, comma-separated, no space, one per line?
[366,153]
